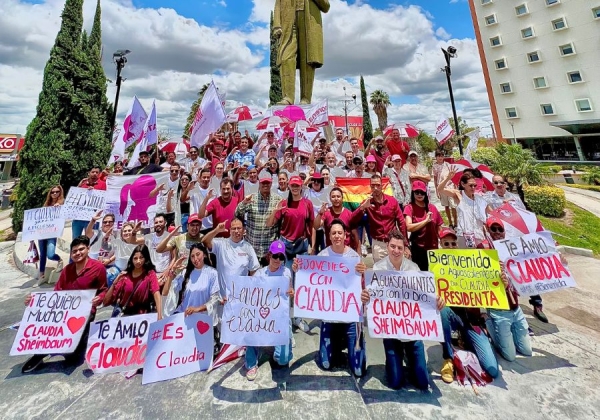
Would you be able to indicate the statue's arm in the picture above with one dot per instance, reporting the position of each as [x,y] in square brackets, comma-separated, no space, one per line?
[323,5]
[276,15]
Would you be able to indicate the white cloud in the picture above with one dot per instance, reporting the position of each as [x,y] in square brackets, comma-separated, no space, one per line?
[396,49]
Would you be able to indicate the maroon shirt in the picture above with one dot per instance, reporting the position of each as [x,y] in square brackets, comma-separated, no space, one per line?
[398,148]
[143,289]
[383,217]
[345,216]
[426,237]
[93,276]
[98,185]
[296,220]
[222,212]
[379,159]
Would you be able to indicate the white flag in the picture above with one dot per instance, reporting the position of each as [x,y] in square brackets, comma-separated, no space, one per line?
[209,117]
[149,137]
[303,138]
[318,115]
[443,131]
[472,146]
[132,129]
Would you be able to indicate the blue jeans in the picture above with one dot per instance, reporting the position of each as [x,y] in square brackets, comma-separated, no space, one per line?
[475,340]
[47,249]
[78,228]
[111,274]
[509,332]
[300,250]
[416,365]
[363,226]
[184,219]
[334,338]
[282,354]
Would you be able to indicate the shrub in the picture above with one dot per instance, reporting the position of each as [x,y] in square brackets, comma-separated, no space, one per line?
[486,155]
[547,201]
[581,187]
[592,176]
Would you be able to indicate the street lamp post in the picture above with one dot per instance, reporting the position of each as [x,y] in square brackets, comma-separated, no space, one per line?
[346,100]
[448,54]
[120,60]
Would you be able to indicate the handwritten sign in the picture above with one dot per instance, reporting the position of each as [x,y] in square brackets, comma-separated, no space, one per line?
[403,305]
[177,346]
[533,264]
[468,278]
[328,288]
[118,344]
[42,223]
[53,323]
[257,312]
[82,204]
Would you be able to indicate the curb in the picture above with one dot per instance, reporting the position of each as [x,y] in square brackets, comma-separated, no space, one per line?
[29,269]
[584,252]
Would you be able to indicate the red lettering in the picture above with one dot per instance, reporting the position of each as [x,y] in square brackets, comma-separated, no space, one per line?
[166,335]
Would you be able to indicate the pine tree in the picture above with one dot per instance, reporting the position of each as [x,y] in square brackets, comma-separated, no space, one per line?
[367,126]
[275,94]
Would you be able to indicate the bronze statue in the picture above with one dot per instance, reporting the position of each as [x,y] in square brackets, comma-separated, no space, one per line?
[298,25]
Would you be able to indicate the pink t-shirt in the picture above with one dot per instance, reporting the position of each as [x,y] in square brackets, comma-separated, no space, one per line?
[140,301]
[297,219]
[345,217]
[222,212]
[426,237]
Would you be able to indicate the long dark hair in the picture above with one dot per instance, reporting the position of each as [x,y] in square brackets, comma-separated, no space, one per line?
[148,264]
[413,201]
[190,267]
[276,167]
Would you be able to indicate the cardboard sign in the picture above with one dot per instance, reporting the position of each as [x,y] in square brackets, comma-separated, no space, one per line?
[403,305]
[53,323]
[42,223]
[468,278]
[533,264]
[328,288]
[177,346]
[257,312]
[118,344]
[83,204]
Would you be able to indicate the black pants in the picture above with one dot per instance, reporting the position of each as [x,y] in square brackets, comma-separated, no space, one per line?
[419,257]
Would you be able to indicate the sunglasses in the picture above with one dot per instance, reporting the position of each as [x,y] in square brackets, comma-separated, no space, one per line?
[499,182]
[472,185]
[496,229]
[54,192]
[449,243]
[279,257]
[417,192]
[174,171]
[108,222]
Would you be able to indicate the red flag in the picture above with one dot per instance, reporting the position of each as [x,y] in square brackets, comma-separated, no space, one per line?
[32,254]
[228,353]
[517,222]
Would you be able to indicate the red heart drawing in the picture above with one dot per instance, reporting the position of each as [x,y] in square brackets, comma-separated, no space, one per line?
[264,312]
[202,327]
[495,283]
[75,324]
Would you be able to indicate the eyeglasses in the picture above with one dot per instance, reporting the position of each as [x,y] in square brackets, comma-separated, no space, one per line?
[54,192]
[499,182]
[496,229]
[419,192]
[449,243]
[174,171]
[279,257]
[108,222]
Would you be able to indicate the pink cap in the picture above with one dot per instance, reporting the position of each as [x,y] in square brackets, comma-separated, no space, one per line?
[295,180]
[419,186]
[446,231]
[396,157]
[493,220]
[265,179]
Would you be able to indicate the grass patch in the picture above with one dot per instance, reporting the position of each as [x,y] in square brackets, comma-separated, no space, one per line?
[580,186]
[577,227]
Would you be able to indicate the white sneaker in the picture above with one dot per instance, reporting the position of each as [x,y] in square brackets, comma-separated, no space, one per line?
[363,250]
[301,324]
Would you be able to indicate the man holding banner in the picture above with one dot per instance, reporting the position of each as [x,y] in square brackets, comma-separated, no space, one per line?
[92,182]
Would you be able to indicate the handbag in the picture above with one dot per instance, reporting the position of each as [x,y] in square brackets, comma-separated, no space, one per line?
[119,309]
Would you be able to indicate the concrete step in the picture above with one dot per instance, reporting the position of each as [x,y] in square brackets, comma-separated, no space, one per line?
[32,270]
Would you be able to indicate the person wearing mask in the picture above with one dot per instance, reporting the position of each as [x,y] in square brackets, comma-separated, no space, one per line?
[397,350]
[221,209]
[327,214]
[136,288]
[440,171]
[378,152]
[399,180]
[47,247]
[397,146]
[335,336]
[181,243]
[92,182]
[84,273]
[145,167]
[423,221]
[416,170]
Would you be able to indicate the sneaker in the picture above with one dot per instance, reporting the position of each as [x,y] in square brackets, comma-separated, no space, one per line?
[33,362]
[448,371]
[363,250]
[539,314]
[301,324]
[252,373]
[530,331]
[59,266]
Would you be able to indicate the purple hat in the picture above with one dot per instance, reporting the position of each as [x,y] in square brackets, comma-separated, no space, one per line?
[277,247]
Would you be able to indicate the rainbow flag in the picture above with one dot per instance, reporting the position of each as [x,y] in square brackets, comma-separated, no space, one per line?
[357,190]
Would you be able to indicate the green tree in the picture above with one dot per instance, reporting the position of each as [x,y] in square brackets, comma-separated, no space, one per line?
[275,94]
[380,101]
[367,126]
[426,142]
[193,110]
[462,124]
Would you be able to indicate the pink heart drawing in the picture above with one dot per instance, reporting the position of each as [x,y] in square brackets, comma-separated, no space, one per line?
[74,324]
[264,312]
[495,283]
[202,327]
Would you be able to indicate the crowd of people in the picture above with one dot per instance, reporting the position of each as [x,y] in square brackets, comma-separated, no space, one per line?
[239,208]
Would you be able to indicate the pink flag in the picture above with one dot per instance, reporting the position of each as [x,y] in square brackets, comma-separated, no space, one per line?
[148,138]
[132,130]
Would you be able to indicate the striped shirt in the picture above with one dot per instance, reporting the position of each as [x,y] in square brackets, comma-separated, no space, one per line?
[256,214]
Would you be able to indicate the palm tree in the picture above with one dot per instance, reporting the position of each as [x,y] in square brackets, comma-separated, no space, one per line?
[380,101]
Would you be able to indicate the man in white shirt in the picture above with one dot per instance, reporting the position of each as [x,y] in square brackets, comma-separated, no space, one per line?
[197,196]
[168,192]
[500,195]
[194,163]
[399,180]
[440,172]
[161,260]
[416,170]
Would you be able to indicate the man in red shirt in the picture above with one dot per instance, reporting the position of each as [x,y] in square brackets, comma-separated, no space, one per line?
[222,209]
[92,182]
[84,273]
[378,152]
[396,146]
[384,214]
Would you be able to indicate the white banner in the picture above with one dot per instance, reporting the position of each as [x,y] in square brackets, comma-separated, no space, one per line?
[177,346]
[209,117]
[403,305]
[533,264]
[128,198]
[257,312]
[443,131]
[118,344]
[42,223]
[131,131]
[303,138]
[328,288]
[82,203]
[148,138]
[318,114]
[53,323]
[473,142]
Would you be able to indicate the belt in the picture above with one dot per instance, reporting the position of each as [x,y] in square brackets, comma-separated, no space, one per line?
[381,240]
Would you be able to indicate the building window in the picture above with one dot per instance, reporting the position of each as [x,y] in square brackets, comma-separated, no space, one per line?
[583,105]
[558,24]
[511,112]
[547,109]
[596,12]
[484,2]
[539,82]
[567,49]
[490,20]
[574,77]
[505,88]
[527,33]
[533,57]
[495,41]
[521,10]
[552,2]
[500,64]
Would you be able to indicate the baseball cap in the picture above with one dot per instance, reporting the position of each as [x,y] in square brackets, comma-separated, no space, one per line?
[219,143]
[317,175]
[144,152]
[370,158]
[396,157]
[265,179]
[378,138]
[277,247]
[446,231]
[493,220]
[412,152]
[419,186]
[357,160]
[194,218]
[295,180]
